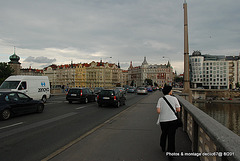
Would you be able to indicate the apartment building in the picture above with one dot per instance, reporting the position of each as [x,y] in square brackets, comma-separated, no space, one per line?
[94,74]
[214,71]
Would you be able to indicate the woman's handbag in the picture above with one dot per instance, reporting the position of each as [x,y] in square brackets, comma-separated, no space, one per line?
[179,121]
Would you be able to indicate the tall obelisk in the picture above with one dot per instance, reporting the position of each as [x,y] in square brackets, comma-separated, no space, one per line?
[186,87]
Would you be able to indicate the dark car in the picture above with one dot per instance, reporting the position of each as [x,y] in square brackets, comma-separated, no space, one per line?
[84,95]
[16,103]
[97,90]
[111,97]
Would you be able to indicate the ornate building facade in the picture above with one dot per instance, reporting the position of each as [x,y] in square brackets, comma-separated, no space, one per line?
[94,74]
[159,74]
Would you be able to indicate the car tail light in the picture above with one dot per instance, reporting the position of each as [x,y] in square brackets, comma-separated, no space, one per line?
[81,93]
[98,97]
[115,98]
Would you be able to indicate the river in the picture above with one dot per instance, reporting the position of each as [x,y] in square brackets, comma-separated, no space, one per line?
[226,114]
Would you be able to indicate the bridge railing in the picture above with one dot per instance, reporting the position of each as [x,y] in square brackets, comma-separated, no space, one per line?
[211,139]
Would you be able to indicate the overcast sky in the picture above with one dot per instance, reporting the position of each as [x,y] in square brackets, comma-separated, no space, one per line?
[60,31]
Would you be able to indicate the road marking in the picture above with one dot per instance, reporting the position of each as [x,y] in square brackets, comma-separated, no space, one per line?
[11,125]
[57,152]
[34,125]
[81,107]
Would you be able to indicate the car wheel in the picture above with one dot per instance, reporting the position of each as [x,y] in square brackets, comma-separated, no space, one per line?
[6,114]
[44,99]
[40,108]
[86,100]
[70,102]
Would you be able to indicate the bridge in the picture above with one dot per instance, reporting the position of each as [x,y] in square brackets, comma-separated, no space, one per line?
[211,139]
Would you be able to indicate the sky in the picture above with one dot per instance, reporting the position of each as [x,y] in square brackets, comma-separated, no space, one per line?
[49,32]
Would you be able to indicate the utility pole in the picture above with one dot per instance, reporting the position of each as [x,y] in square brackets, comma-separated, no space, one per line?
[186,87]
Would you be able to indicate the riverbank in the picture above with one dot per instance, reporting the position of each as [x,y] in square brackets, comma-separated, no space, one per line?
[227,101]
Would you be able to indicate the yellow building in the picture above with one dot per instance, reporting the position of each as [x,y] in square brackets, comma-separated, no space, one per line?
[97,74]
[81,75]
[94,74]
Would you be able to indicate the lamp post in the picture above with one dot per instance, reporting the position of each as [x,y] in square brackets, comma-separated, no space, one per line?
[167,58]
[106,58]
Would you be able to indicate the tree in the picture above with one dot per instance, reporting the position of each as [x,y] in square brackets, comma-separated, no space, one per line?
[178,79]
[149,82]
[132,83]
[237,85]
[5,71]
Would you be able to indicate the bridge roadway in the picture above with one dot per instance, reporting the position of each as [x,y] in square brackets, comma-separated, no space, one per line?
[131,135]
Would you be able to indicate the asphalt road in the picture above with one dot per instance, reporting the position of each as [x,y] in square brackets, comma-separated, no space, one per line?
[34,136]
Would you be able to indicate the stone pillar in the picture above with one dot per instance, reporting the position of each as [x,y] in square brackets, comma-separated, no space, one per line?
[186,85]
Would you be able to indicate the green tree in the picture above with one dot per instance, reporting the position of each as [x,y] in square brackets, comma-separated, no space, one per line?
[148,82]
[178,79]
[237,85]
[132,83]
[5,71]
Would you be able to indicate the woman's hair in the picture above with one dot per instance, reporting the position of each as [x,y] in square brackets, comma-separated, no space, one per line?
[166,89]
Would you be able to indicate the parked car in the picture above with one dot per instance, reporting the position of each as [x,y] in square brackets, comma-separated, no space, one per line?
[131,90]
[142,90]
[97,90]
[111,97]
[17,103]
[84,95]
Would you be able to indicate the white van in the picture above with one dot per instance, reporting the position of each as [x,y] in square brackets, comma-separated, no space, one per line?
[36,87]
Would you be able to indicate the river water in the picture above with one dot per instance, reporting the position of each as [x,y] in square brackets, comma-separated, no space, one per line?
[226,114]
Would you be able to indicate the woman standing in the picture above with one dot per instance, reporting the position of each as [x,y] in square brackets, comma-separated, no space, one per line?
[167,119]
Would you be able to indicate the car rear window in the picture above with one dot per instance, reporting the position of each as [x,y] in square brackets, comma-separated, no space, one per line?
[107,92]
[74,91]
[141,88]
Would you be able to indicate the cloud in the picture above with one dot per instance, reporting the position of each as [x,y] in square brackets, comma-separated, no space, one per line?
[126,30]
[40,59]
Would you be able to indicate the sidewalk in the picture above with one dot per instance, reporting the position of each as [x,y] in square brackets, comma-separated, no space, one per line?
[131,136]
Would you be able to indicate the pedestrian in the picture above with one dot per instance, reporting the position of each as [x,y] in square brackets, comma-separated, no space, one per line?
[63,88]
[167,119]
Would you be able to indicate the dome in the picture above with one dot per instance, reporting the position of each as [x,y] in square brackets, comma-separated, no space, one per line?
[14,58]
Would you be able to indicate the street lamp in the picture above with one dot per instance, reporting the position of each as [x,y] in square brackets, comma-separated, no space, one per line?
[167,58]
[106,58]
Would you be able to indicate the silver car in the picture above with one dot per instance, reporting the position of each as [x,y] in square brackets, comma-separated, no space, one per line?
[142,90]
